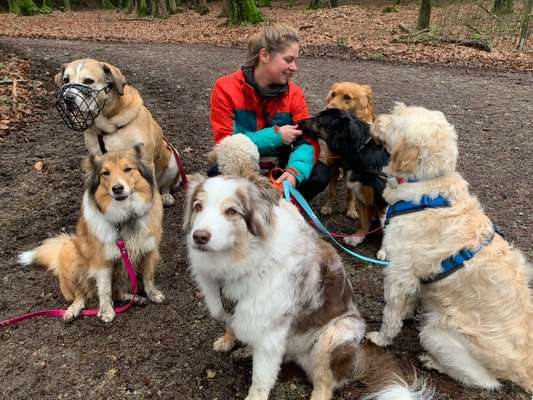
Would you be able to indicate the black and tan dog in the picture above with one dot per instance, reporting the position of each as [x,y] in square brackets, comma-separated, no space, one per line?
[359,99]
[363,159]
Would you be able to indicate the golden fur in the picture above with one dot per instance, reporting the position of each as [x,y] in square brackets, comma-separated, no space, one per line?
[124,120]
[359,99]
[479,320]
[120,201]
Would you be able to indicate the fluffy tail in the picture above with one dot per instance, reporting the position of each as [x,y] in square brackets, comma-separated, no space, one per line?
[380,371]
[54,254]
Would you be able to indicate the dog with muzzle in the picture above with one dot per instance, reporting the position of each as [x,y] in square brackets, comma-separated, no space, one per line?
[282,290]
[363,159]
[121,201]
[475,287]
[96,99]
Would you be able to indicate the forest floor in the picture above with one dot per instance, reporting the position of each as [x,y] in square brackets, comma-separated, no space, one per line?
[164,351]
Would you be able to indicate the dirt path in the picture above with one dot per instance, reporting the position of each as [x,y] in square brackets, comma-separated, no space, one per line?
[164,352]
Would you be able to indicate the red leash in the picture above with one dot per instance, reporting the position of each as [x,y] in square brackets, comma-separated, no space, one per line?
[179,161]
[60,313]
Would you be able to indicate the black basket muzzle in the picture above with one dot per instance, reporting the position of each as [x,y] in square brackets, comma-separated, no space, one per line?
[77,105]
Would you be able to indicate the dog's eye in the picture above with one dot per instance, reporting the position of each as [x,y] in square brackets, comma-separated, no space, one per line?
[66,79]
[333,94]
[230,212]
[88,81]
[105,173]
[197,207]
[128,169]
[347,98]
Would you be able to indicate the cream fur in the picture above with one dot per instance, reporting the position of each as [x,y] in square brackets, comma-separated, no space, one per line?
[479,321]
[236,155]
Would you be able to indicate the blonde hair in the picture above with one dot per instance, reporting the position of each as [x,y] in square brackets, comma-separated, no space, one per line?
[274,38]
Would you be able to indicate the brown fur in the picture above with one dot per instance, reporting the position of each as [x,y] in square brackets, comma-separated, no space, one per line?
[78,258]
[124,120]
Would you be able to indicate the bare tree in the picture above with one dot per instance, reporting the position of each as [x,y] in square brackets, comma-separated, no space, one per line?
[424,16]
[501,7]
[525,24]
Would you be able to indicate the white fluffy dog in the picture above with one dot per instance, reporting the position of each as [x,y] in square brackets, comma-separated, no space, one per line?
[478,326]
[236,155]
[290,293]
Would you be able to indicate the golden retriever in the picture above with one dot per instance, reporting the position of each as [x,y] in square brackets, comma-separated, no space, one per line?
[478,325]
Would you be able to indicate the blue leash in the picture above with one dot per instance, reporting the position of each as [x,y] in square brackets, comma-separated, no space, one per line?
[288,190]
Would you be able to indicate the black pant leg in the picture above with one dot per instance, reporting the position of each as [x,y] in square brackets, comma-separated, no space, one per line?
[317,182]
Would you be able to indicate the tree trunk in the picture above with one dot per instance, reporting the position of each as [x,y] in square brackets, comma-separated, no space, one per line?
[243,12]
[225,7]
[528,7]
[162,11]
[47,6]
[106,4]
[424,15]
[172,6]
[67,5]
[501,7]
[315,4]
[23,7]
[142,8]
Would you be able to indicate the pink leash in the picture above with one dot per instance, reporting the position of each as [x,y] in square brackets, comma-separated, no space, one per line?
[60,313]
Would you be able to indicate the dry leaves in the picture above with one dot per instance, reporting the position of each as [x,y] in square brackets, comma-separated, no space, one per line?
[18,94]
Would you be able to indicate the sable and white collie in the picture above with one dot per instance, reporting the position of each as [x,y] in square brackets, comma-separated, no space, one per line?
[121,201]
[291,296]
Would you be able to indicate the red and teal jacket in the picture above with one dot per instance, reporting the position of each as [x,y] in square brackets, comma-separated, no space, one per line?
[236,108]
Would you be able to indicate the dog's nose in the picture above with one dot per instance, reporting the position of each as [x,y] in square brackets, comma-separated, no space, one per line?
[201,236]
[118,189]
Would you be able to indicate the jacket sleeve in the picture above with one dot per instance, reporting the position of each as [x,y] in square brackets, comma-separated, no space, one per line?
[302,158]
[222,119]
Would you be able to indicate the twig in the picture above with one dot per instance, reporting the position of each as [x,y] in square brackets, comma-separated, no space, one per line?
[8,81]
[489,12]
[14,95]
[404,28]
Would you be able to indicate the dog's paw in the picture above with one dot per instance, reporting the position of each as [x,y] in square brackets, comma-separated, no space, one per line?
[429,363]
[137,300]
[73,312]
[106,313]
[382,255]
[352,213]
[244,353]
[354,240]
[168,199]
[155,295]
[257,394]
[326,209]
[377,338]
[224,344]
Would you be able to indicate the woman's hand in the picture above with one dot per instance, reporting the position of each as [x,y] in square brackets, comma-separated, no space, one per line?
[289,133]
[287,176]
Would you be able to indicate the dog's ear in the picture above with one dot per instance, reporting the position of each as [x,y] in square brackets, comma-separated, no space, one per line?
[404,158]
[263,196]
[371,108]
[59,76]
[212,156]
[193,185]
[91,167]
[143,165]
[329,96]
[114,78]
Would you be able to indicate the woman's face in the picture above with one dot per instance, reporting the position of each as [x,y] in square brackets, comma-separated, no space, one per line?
[280,67]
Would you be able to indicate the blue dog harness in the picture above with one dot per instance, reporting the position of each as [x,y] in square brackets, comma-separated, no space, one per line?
[450,264]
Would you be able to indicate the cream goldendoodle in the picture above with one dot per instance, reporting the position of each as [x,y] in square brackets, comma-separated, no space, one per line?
[444,250]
